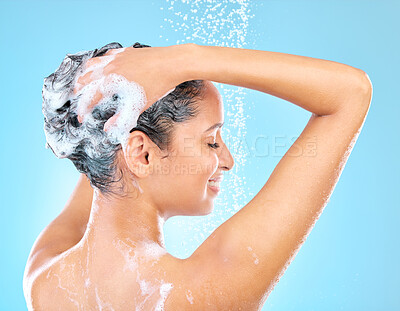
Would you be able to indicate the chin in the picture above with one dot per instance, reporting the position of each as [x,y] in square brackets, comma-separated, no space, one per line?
[197,212]
[206,211]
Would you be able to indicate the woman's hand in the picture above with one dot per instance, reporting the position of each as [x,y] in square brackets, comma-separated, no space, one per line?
[158,70]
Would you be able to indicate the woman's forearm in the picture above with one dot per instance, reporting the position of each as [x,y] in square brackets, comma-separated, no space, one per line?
[319,86]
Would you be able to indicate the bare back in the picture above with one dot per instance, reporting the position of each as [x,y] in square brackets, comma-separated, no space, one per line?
[121,276]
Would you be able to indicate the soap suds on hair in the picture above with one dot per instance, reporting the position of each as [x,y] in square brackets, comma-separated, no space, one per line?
[119,96]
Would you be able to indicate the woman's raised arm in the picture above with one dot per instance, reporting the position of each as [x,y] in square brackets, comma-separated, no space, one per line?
[320,86]
[245,256]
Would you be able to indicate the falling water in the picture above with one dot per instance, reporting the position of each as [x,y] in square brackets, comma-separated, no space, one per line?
[217,23]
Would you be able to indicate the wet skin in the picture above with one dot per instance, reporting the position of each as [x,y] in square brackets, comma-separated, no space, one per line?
[121,261]
[237,266]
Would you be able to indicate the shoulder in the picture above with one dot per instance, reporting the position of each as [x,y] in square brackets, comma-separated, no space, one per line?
[128,278]
[211,280]
[46,286]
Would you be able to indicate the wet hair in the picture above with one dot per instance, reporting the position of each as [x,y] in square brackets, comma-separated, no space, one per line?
[96,158]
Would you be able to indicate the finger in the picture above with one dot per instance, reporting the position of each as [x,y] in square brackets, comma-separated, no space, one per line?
[109,52]
[92,61]
[110,122]
[87,106]
[87,75]
[80,119]
[82,81]
[96,98]
[114,51]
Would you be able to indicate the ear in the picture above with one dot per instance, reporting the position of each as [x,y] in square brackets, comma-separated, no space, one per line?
[138,154]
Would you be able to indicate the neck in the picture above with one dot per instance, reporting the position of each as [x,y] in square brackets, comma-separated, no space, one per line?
[129,217]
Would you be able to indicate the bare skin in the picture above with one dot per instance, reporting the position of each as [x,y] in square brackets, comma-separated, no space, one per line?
[109,252]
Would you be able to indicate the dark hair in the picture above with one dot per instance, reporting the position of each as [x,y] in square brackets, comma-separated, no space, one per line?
[97,158]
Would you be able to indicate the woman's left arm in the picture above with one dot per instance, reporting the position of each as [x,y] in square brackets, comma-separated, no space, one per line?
[66,230]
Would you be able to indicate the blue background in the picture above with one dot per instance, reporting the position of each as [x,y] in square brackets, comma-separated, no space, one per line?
[350,260]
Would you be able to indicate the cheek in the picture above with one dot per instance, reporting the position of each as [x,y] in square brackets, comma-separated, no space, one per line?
[214,164]
[196,171]
[210,165]
[191,171]
[201,161]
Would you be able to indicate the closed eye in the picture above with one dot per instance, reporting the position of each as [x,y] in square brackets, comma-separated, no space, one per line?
[214,146]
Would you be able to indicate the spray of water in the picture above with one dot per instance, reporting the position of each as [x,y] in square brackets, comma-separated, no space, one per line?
[218,23]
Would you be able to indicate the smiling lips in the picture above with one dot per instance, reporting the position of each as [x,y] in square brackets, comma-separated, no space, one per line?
[214,183]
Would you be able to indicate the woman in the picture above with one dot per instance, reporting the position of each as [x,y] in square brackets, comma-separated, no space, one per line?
[105,250]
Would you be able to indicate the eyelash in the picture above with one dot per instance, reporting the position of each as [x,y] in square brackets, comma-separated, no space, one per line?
[214,146]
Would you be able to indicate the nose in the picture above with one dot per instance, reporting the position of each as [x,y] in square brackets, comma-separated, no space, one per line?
[226,160]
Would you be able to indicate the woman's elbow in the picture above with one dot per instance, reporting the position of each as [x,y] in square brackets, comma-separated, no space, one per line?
[364,88]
